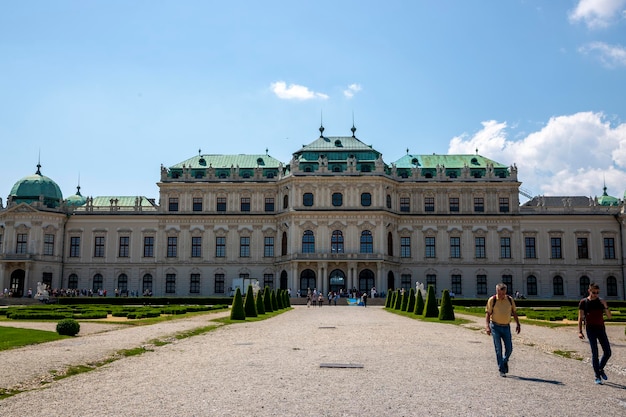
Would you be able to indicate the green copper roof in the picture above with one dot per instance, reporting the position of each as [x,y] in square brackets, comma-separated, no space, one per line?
[122,201]
[607,200]
[76,200]
[337,148]
[448,161]
[37,187]
[226,161]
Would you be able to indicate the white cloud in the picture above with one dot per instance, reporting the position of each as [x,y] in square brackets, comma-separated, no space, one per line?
[295,92]
[597,13]
[610,55]
[352,90]
[571,155]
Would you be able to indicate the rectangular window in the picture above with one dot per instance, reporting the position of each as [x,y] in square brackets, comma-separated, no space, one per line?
[220,247]
[405,247]
[98,249]
[221,204]
[505,247]
[307,199]
[148,246]
[194,284]
[268,246]
[530,248]
[124,246]
[429,246]
[245,204]
[197,204]
[555,248]
[480,252]
[609,248]
[219,283]
[268,280]
[244,246]
[481,284]
[269,204]
[22,243]
[454,204]
[431,279]
[455,247]
[405,281]
[173,204]
[48,244]
[196,246]
[429,204]
[1,242]
[74,246]
[583,249]
[479,204]
[172,247]
[170,283]
[504,204]
[405,204]
[456,285]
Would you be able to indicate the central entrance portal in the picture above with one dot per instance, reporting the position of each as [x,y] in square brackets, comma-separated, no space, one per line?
[337,281]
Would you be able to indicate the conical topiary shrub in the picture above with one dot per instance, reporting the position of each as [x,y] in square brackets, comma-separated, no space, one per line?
[279,299]
[431,309]
[237,312]
[419,304]
[260,305]
[267,299]
[249,305]
[398,302]
[405,300]
[274,302]
[411,304]
[446,312]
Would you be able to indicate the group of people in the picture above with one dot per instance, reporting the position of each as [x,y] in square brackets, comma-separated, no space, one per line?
[591,312]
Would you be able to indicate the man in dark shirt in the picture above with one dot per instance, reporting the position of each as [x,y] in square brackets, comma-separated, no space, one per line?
[591,310]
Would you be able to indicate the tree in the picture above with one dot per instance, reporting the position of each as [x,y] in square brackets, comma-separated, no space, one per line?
[405,300]
[274,302]
[237,311]
[249,306]
[419,304]
[388,299]
[431,309]
[411,304]
[398,303]
[267,299]
[260,305]
[447,309]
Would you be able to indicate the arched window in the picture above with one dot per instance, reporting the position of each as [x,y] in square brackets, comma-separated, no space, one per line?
[72,282]
[336,242]
[307,281]
[122,283]
[285,202]
[97,283]
[557,285]
[283,246]
[308,242]
[146,286]
[531,285]
[366,280]
[389,244]
[367,242]
[584,285]
[388,201]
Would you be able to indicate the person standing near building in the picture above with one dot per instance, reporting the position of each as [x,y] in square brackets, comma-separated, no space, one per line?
[591,311]
[500,308]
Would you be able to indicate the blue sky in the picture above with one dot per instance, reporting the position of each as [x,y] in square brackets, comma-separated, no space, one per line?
[104,92]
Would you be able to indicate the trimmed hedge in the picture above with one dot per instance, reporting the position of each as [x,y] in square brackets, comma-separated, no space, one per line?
[68,327]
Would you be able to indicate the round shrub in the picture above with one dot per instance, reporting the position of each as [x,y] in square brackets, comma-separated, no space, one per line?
[68,327]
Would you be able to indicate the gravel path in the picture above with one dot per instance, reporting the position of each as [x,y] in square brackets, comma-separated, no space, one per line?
[381,364]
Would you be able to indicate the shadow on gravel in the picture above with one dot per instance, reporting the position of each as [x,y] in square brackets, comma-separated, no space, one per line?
[614,385]
[545,381]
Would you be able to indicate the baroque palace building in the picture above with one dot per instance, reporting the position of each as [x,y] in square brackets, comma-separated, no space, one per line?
[335,217]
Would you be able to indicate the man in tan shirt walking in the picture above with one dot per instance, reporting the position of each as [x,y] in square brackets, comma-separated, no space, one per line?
[500,308]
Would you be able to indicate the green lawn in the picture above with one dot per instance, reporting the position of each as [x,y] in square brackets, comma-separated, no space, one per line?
[12,337]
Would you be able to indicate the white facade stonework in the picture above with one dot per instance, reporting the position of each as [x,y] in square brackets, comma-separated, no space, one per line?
[335,217]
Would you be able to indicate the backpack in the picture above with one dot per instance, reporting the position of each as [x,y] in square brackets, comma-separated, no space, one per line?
[495,300]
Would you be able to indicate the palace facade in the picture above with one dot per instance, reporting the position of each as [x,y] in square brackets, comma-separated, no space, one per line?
[336,216]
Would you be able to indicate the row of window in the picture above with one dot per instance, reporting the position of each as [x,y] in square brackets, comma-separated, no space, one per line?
[558,289]
[337,246]
[122,286]
[308,200]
